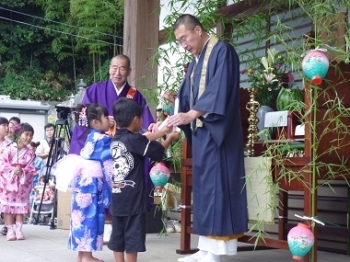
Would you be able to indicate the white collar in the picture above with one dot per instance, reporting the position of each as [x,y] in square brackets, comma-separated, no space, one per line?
[116,89]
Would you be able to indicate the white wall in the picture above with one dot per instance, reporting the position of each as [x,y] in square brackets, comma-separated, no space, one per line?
[36,118]
[165,9]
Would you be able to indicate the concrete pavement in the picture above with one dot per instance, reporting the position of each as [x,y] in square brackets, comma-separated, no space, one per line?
[43,244]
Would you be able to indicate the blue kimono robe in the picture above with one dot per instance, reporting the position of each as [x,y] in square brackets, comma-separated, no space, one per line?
[219,195]
[91,195]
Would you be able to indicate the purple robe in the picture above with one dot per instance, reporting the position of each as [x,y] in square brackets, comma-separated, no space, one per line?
[104,93]
[219,193]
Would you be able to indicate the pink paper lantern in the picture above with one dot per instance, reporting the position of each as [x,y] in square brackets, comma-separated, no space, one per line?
[159,174]
[300,240]
[315,66]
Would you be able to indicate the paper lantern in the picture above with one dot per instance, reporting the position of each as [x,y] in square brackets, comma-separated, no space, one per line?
[315,66]
[159,174]
[300,240]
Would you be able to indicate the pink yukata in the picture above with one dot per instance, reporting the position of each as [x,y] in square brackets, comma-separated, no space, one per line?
[3,145]
[15,189]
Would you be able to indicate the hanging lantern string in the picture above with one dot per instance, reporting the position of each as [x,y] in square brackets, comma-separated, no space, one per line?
[324,50]
[310,218]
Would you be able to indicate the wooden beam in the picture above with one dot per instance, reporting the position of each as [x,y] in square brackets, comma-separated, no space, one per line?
[141,26]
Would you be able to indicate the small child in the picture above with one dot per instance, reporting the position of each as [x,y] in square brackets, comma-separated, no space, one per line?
[16,175]
[14,121]
[49,194]
[129,192]
[89,175]
[38,162]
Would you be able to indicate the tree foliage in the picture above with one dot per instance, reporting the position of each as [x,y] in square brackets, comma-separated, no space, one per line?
[46,45]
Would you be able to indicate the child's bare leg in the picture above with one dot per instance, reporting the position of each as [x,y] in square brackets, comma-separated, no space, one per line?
[8,219]
[19,218]
[131,257]
[87,257]
[80,256]
[10,228]
[119,256]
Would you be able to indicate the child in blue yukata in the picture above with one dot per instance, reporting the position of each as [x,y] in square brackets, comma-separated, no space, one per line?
[89,175]
[129,191]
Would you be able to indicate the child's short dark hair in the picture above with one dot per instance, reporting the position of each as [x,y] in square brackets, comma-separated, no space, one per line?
[124,110]
[3,120]
[16,119]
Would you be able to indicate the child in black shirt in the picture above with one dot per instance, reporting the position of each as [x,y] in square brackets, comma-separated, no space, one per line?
[129,192]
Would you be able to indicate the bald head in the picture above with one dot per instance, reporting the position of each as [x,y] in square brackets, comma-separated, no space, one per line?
[122,57]
[189,21]
[189,33]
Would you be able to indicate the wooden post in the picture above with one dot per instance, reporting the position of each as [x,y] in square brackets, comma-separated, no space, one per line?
[141,26]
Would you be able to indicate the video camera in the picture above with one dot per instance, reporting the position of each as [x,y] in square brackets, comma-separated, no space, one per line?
[63,112]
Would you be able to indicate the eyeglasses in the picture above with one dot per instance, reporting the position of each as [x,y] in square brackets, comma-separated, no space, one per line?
[184,38]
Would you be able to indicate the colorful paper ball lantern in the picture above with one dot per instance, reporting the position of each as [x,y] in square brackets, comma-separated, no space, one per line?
[315,66]
[159,174]
[300,240]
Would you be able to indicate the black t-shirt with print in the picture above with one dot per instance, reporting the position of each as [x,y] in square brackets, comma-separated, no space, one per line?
[128,150]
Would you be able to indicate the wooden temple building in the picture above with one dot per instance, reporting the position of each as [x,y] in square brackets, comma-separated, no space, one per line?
[142,37]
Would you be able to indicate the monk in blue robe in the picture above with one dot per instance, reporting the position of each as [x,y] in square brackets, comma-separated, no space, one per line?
[210,117]
[106,93]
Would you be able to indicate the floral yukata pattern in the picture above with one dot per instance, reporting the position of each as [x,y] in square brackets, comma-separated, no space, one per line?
[15,189]
[91,195]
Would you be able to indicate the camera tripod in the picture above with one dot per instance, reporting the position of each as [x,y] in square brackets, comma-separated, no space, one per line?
[56,152]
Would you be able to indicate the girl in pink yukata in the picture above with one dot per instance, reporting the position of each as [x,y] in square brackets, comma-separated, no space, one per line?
[16,174]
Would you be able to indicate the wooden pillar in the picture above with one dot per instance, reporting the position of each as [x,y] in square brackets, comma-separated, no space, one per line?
[141,26]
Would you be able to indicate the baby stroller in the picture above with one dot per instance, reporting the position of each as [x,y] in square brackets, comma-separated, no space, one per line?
[48,198]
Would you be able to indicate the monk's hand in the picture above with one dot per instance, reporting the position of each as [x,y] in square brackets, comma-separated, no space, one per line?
[167,129]
[179,119]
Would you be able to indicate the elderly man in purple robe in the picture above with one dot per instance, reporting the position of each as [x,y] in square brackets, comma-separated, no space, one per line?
[106,93]
[209,115]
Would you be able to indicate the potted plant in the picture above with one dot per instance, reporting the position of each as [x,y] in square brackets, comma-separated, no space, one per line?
[269,75]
